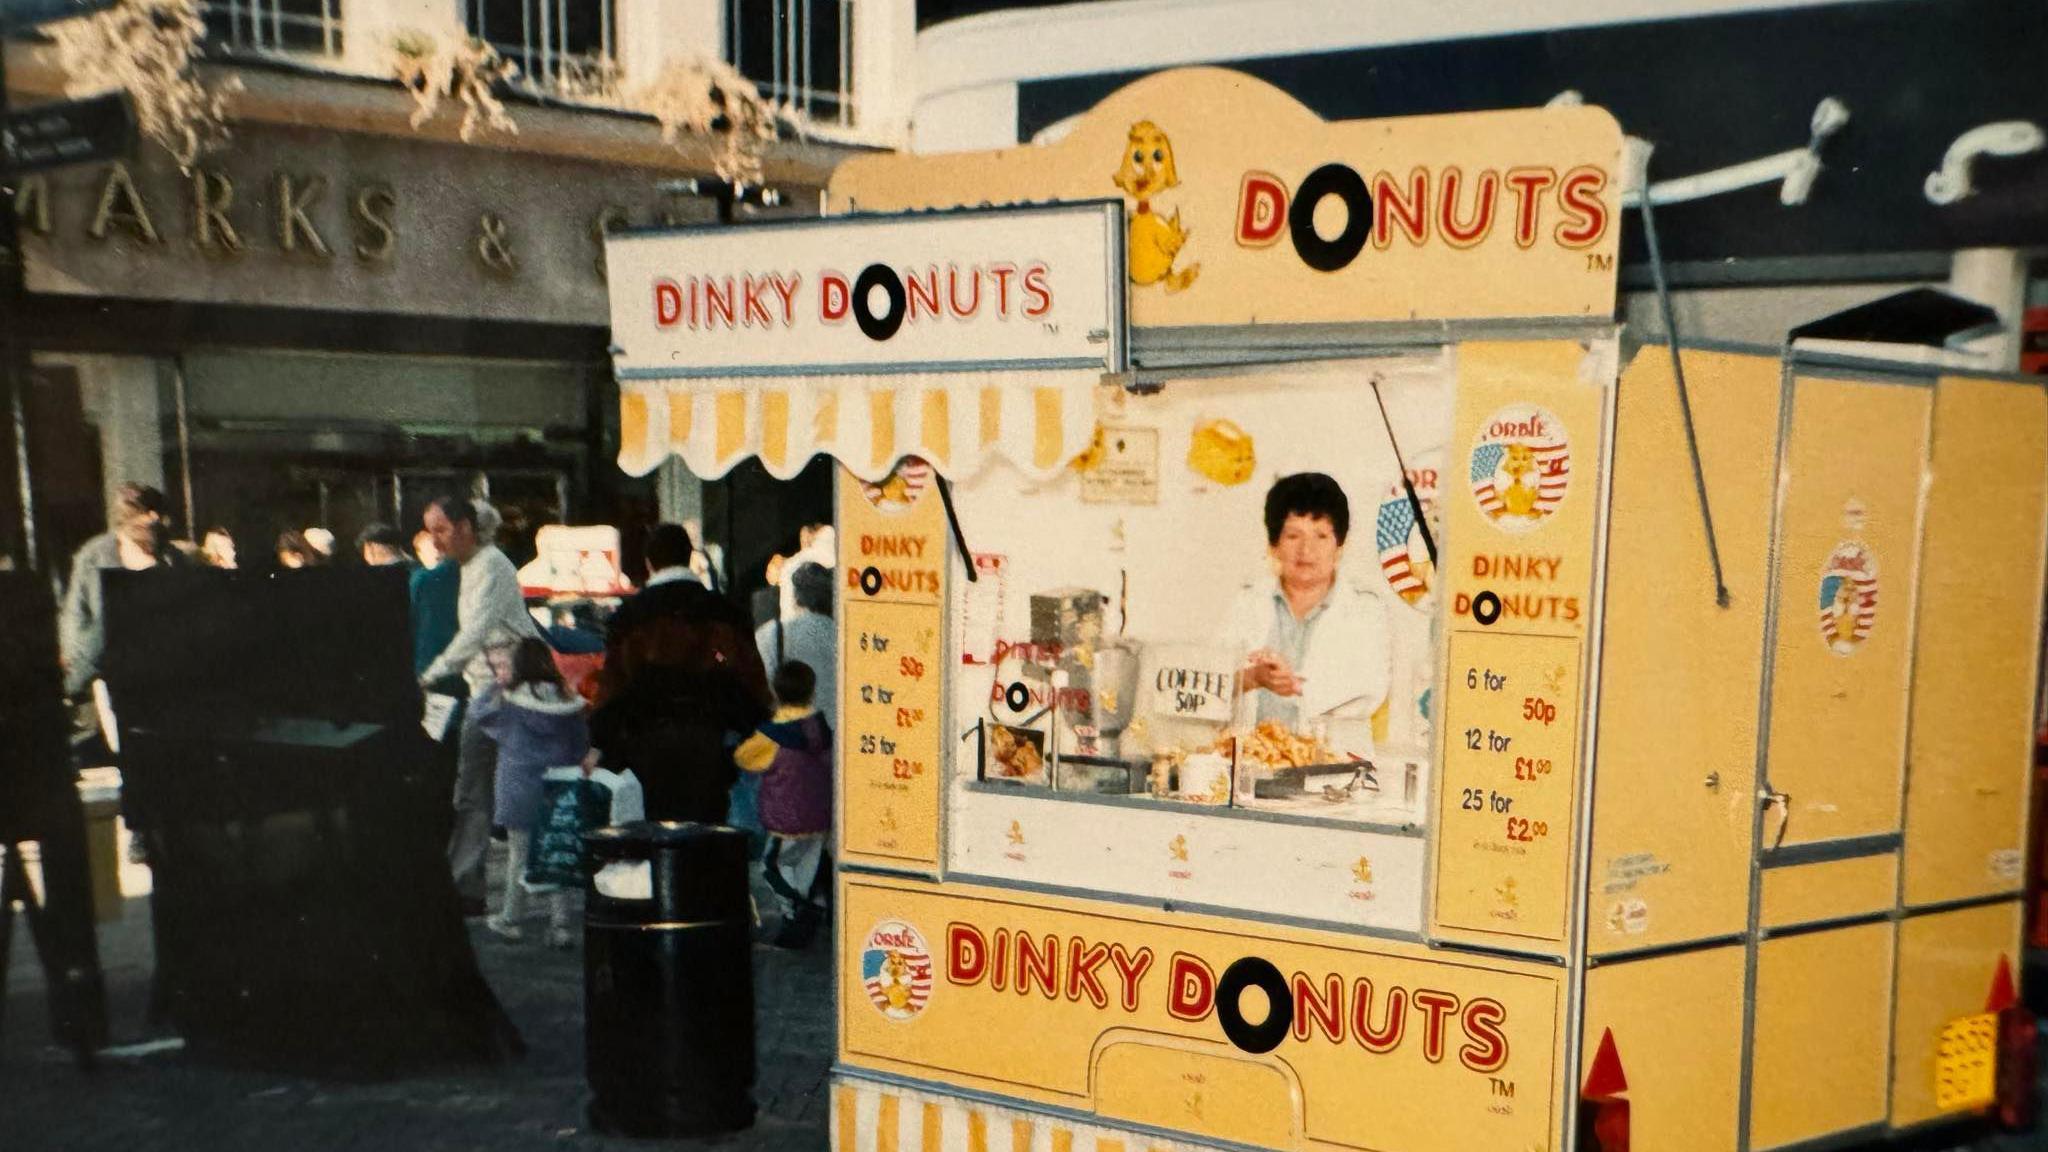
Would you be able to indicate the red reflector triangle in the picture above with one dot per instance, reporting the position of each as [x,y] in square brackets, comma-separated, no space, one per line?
[2003,994]
[1606,1080]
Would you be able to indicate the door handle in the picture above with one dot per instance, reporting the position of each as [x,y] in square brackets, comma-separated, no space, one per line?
[1783,801]
[1713,781]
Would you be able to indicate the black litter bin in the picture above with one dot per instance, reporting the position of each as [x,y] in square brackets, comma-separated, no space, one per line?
[668,980]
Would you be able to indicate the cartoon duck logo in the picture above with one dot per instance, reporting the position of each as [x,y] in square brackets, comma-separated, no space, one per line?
[1016,833]
[1848,597]
[1155,240]
[1404,561]
[901,488]
[896,970]
[1509,897]
[1521,467]
[1362,871]
[1179,849]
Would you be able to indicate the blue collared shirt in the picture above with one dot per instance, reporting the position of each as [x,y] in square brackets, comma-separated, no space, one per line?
[1289,638]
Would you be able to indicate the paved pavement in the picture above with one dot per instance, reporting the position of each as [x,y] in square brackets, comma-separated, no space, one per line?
[166,1101]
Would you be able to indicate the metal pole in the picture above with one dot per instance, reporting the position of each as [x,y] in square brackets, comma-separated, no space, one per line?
[184,448]
[1692,443]
[14,354]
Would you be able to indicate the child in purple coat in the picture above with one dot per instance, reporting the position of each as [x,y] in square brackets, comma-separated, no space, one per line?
[793,754]
[537,724]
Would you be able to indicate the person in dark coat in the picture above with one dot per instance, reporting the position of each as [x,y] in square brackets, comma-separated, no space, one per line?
[681,684]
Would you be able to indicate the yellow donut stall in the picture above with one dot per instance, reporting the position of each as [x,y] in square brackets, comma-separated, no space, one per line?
[1305,683]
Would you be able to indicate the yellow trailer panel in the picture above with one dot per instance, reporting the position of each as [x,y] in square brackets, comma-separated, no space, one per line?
[1848,554]
[1974,670]
[1829,890]
[1675,1023]
[1306,1040]
[1819,1058]
[1673,799]
[1948,973]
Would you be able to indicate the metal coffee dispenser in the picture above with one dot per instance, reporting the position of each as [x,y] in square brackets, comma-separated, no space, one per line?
[1095,688]
[1115,696]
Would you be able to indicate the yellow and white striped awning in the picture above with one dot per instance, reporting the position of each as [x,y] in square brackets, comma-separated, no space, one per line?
[870,1117]
[1037,420]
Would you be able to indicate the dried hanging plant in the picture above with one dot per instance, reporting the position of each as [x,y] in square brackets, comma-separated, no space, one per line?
[452,64]
[708,97]
[146,48]
[590,80]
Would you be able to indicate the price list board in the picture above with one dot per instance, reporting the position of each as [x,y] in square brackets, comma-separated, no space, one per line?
[1518,570]
[1505,818]
[891,717]
[892,581]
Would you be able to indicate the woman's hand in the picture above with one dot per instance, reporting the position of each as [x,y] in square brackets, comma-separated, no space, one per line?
[590,760]
[1269,670]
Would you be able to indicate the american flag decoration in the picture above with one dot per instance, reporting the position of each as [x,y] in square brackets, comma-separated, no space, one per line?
[896,970]
[1521,467]
[1403,559]
[1848,597]
[902,487]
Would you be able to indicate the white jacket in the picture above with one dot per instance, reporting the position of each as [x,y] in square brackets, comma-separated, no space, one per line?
[1347,663]
[489,609]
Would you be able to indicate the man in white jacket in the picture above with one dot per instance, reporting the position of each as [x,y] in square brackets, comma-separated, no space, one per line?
[489,611]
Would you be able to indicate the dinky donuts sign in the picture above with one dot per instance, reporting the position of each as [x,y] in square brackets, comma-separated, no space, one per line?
[1012,289]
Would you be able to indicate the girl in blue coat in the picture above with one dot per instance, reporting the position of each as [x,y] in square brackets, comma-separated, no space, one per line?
[537,724]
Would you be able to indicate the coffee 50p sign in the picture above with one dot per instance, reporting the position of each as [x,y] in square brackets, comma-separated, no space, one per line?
[1029,288]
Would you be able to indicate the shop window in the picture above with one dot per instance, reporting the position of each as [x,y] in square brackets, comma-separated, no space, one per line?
[1235,614]
[799,52]
[565,45]
[304,26]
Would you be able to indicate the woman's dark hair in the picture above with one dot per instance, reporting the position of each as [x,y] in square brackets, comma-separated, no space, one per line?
[1309,494]
[457,509]
[134,502]
[795,683]
[383,536]
[294,541]
[668,546]
[533,662]
[811,585]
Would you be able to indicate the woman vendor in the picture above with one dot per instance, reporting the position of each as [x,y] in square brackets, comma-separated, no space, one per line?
[1317,647]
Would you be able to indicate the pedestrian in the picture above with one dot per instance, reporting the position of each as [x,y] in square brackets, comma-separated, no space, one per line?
[816,544]
[381,546]
[434,589]
[219,546]
[295,551]
[488,604]
[137,539]
[793,755]
[807,634]
[681,684]
[708,559]
[537,724]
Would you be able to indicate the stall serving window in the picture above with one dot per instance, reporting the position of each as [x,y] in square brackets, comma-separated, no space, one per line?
[1217,627]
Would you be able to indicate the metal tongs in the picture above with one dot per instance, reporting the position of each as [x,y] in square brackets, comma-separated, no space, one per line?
[1363,778]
